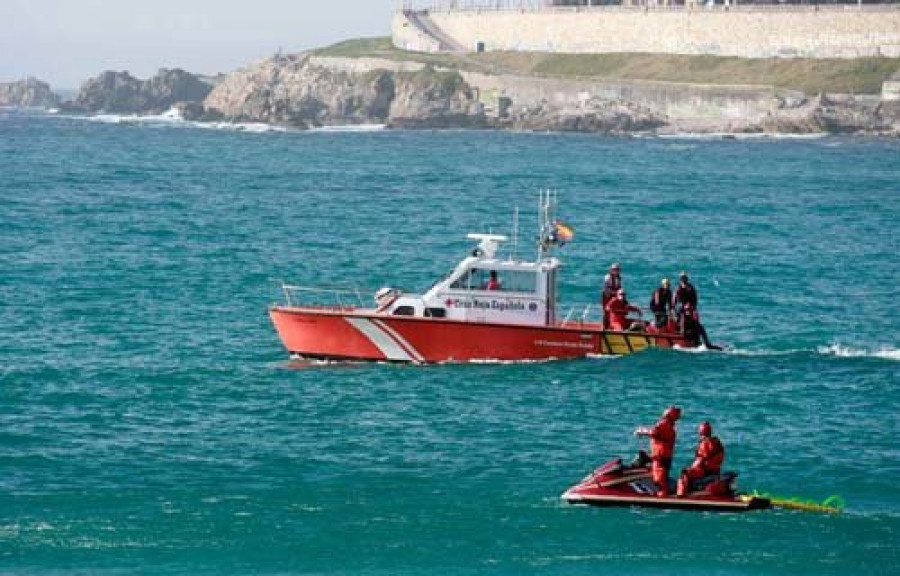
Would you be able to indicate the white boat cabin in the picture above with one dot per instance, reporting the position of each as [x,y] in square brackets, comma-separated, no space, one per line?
[483,288]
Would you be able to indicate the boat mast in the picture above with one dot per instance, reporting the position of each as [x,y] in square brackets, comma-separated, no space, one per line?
[546,203]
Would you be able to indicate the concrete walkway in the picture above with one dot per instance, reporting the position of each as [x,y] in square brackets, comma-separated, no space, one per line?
[427,26]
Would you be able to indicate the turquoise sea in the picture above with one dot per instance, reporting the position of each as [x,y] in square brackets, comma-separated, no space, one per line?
[150,421]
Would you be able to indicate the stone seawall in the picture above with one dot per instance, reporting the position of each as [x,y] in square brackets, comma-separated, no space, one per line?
[823,32]
[689,106]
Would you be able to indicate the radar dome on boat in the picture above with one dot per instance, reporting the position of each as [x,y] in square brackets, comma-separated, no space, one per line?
[488,243]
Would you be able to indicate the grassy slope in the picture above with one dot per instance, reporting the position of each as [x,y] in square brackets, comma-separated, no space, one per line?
[859,76]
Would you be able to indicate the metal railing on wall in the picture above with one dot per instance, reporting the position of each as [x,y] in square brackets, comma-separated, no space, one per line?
[577,5]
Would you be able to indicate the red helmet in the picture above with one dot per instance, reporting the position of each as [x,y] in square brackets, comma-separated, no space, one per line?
[672,413]
[705,429]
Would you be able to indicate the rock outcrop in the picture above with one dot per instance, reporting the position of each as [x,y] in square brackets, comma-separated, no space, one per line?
[120,92]
[28,93]
[593,115]
[304,91]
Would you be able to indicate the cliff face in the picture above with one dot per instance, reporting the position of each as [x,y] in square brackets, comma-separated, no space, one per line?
[304,91]
[121,92]
[28,93]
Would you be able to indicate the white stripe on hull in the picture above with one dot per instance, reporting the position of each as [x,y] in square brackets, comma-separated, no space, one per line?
[383,341]
[400,340]
[656,501]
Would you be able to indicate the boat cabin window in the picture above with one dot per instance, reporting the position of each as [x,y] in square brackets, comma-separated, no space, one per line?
[506,280]
[405,311]
[435,313]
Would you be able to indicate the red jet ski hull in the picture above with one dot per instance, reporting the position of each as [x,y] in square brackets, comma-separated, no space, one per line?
[615,484]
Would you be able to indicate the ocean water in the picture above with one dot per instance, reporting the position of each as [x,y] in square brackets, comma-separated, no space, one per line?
[152,422]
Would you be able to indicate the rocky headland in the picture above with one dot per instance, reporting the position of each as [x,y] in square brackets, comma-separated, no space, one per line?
[28,93]
[305,91]
[122,93]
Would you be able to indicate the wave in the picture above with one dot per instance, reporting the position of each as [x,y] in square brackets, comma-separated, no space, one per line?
[254,127]
[173,118]
[742,136]
[170,116]
[351,128]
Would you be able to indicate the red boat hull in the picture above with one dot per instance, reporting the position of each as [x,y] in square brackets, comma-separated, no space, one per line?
[632,486]
[357,335]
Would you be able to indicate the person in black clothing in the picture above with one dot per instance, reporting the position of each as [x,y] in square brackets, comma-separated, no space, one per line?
[685,294]
[661,303]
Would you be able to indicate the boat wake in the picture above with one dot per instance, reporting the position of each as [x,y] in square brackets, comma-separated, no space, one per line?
[842,351]
[834,350]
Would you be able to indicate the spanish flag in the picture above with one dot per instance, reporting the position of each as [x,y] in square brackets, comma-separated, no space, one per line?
[562,231]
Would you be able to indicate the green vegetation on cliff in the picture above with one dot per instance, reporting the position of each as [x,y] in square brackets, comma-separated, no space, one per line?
[844,76]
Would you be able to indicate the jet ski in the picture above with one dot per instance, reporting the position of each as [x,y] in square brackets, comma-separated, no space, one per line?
[619,484]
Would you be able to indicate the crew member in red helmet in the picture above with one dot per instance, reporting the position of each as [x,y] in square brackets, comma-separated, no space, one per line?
[662,447]
[708,459]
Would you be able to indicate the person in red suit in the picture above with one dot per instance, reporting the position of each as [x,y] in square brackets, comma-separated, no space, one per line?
[612,283]
[617,311]
[662,447]
[493,282]
[708,459]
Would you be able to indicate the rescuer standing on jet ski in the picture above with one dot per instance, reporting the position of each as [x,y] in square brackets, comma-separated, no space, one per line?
[662,446]
[707,459]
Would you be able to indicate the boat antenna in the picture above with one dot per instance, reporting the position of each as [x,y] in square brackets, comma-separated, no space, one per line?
[547,199]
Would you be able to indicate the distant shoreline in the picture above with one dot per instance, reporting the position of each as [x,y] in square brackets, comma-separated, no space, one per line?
[368,82]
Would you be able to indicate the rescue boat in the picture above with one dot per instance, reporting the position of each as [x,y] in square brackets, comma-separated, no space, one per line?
[619,484]
[487,309]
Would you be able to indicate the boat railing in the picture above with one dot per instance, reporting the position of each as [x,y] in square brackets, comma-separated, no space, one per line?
[340,299]
[580,314]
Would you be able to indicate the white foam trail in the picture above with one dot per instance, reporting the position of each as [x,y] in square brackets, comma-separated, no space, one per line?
[842,351]
[603,356]
[766,352]
[836,350]
[494,361]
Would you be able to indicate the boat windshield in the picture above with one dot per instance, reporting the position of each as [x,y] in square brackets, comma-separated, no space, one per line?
[504,280]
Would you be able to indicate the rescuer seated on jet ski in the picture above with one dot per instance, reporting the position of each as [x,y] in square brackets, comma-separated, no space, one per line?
[617,310]
[708,460]
[662,447]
